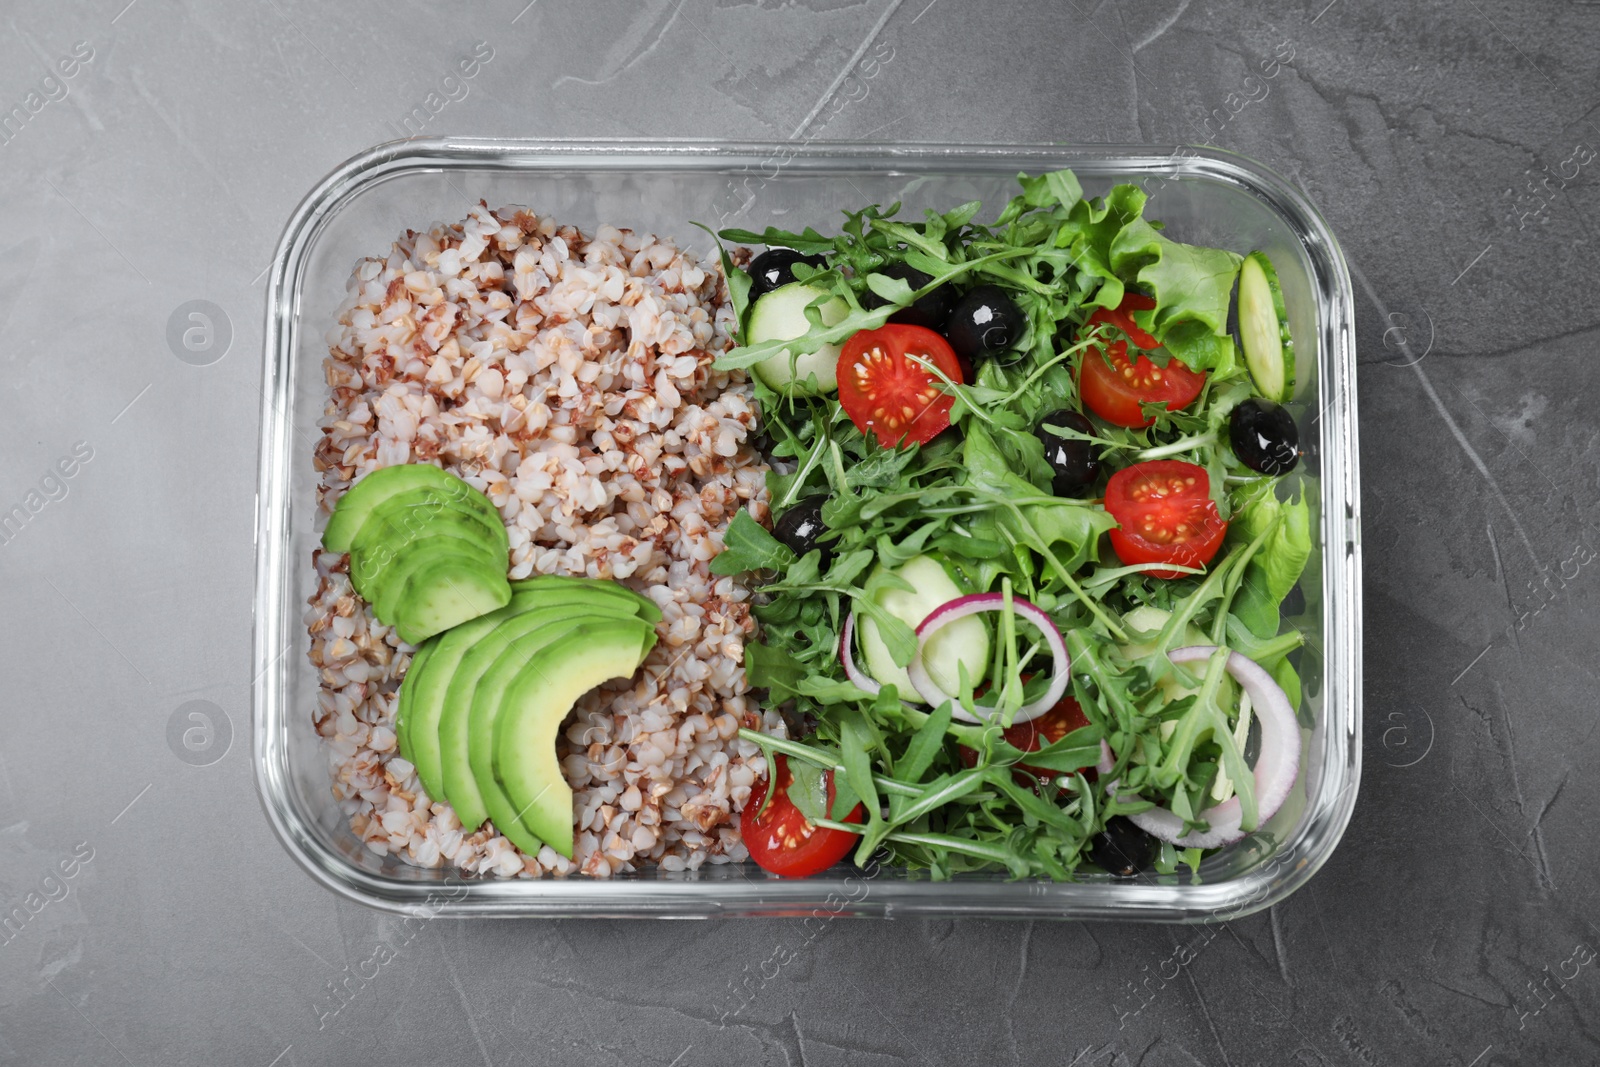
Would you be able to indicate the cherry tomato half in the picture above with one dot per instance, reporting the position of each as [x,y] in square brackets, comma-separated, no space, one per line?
[1035,734]
[1166,515]
[784,841]
[1115,392]
[886,394]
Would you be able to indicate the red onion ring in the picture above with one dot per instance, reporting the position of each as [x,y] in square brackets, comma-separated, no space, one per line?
[977,603]
[1276,767]
[847,655]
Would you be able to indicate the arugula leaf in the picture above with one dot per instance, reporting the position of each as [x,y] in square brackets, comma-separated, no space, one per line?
[739,282]
[894,290]
[896,636]
[855,741]
[880,469]
[1058,189]
[925,745]
[748,546]
[828,691]
[849,566]
[769,667]
[808,243]
[808,791]
[1056,186]
[1079,749]
[1042,527]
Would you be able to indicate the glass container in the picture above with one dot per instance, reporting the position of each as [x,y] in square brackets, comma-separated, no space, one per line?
[1205,196]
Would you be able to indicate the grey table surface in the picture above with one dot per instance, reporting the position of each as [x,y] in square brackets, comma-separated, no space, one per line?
[1452,147]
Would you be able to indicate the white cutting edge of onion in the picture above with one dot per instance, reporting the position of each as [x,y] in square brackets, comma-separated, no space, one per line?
[1275,771]
[944,615]
[847,655]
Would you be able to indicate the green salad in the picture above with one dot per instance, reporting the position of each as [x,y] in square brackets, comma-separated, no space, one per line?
[1035,511]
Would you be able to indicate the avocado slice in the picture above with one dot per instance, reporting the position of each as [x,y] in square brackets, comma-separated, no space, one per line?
[405,517]
[647,608]
[477,654]
[377,572]
[439,704]
[382,577]
[402,705]
[361,499]
[525,764]
[522,655]
[447,593]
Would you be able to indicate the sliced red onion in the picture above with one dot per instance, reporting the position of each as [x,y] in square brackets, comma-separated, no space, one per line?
[976,604]
[847,655]
[1275,771]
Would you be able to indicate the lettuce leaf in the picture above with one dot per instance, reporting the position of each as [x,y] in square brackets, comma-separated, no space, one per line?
[1089,233]
[1192,287]
[1277,566]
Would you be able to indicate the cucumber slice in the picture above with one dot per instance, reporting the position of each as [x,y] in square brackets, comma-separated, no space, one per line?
[1263,329]
[781,315]
[1147,619]
[965,641]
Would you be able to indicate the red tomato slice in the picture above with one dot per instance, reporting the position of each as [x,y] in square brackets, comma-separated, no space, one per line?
[1035,734]
[1115,392]
[886,394]
[784,841]
[1121,317]
[1166,515]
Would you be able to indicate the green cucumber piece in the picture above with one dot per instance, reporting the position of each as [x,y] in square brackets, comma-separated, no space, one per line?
[1263,329]
[780,316]
[965,641]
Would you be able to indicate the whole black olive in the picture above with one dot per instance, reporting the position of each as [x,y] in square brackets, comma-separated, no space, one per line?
[774,268]
[985,324]
[1123,849]
[930,312]
[1264,436]
[801,526]
[1074,464]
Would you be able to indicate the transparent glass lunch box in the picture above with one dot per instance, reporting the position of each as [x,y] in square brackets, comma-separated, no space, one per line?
[1204,196]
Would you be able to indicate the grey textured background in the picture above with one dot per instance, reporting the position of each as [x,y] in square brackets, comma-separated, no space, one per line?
[1452,147]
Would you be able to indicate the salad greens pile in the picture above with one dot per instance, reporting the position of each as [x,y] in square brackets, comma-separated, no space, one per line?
[939,794]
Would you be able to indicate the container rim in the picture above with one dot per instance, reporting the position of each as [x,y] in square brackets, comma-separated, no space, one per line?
[732,891]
